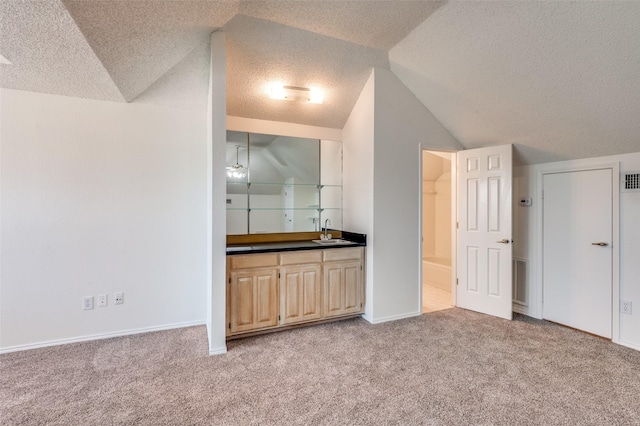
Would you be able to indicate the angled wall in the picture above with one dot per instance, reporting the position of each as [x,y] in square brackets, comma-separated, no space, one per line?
[383,140]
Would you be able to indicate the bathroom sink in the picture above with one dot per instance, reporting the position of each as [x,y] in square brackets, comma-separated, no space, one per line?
[333,241]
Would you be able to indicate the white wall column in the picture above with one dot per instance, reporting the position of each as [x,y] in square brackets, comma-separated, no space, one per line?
[216,186]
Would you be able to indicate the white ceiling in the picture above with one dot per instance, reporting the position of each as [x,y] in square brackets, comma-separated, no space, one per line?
[155,51]
[560,80]
[557,79]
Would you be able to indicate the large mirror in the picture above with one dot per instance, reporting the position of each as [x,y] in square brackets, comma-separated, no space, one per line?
[282,184]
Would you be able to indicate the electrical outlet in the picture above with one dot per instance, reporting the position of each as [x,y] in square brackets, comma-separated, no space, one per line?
[625,306]
[102,300]
[118,298]
[87,303]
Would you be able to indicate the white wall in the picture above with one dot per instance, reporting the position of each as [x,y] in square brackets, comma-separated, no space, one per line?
[216,248]
[382,150]
[524,230]
[252,125]
[402,124]
[99,197]
[528,230]
[357,178]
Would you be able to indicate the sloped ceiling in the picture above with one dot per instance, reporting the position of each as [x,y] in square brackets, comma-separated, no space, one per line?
[49,54]
[139,41]
[560,80]
[557,79]
[151,51]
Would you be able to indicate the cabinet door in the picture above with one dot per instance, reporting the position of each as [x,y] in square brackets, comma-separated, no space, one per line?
[253,302]
[352,272]
[342,288]
[300,293]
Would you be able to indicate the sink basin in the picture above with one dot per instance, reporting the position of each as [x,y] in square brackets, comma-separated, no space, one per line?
[332,241]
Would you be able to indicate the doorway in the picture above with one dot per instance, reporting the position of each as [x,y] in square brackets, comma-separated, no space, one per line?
[436,215]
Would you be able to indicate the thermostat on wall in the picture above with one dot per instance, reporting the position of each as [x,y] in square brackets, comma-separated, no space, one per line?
[525,201]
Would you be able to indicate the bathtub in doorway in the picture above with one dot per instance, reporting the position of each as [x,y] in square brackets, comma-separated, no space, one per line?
[436,272]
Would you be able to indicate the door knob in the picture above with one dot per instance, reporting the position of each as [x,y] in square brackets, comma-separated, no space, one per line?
[599,244]
[503,241]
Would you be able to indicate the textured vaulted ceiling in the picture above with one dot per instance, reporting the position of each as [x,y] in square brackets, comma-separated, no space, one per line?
[139,41]
[155,51]
[48,53]
[557,79]
[560,80]
[262,51]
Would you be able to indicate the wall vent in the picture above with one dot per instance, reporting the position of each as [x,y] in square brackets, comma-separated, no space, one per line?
[630,182]
[520,284]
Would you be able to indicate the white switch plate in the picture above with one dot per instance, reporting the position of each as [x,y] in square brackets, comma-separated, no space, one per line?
[626,306]
[87,303]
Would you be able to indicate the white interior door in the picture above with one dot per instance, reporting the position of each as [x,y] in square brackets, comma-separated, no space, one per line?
[484,249]
[577,252]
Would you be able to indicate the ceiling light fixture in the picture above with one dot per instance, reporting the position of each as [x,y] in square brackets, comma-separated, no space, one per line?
[292,93]
[236,171]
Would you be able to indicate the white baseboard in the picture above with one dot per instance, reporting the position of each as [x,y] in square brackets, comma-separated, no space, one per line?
[629,345]
[218,351]
[98,337]
[392,317]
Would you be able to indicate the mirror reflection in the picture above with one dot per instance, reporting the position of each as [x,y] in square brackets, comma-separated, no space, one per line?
[282,184]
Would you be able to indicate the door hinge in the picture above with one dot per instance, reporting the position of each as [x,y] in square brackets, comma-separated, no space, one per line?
[457,281]
[457,225]
[278,317]
[278,274]
[229,326]
[229,280]
[361,267]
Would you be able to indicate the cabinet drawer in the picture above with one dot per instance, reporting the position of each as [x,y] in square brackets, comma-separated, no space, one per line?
[343,254]
[253,260]
[298,257]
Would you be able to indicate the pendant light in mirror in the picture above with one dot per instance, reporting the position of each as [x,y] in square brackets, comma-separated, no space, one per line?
[237,171]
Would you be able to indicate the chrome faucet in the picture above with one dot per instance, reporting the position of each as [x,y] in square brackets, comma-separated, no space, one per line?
[326,228]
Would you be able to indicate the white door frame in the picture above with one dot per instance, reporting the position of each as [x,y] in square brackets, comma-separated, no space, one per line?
[576,166]
[454,214]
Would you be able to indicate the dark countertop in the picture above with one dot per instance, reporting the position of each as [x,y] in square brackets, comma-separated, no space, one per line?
[354,240]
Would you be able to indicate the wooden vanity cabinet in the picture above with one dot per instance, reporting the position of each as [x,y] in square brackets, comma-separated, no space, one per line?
[252,292]
[343,283]
[300,286]
[275,290]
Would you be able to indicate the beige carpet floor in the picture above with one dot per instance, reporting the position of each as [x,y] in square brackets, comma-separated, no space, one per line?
[451,367]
